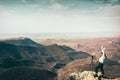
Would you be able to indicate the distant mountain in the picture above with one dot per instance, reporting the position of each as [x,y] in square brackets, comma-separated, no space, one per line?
[26,73]
[116,52]
[22,53]
[17,55]
[19,52]
[25,60]
[91,45]
[14,55]
[64,53]
[66,48]
[22,42]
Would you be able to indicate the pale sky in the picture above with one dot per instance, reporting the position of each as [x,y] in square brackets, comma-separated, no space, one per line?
[43,16]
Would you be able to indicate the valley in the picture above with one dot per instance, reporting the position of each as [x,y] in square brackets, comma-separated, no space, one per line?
[56,58]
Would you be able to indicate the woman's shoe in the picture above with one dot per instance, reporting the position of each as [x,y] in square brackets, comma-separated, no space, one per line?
[95,75]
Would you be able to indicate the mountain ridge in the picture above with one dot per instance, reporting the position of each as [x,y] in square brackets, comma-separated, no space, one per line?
[57,58]
[36,55]
[22,41]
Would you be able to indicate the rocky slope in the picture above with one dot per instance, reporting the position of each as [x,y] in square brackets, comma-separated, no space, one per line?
[26,73]
[111,68]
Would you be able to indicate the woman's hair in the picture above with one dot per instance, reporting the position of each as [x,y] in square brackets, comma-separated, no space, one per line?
[101,52]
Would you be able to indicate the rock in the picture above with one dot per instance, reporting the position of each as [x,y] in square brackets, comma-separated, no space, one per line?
[87,75]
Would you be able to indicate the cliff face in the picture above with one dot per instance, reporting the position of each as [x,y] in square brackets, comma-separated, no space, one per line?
[87,75]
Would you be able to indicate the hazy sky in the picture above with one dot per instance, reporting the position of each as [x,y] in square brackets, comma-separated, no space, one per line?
[41,16]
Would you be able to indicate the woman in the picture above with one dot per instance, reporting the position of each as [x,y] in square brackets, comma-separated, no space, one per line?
[101,62]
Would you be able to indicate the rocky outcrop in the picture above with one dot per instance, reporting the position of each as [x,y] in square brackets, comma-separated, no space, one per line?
[88,75]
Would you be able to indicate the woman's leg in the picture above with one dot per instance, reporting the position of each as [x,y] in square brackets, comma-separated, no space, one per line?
[96,69]
[102,70]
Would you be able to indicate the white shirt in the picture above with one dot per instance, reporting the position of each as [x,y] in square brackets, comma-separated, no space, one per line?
[102,58]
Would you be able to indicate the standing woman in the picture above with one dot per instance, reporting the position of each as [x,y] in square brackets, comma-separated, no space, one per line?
[101,62]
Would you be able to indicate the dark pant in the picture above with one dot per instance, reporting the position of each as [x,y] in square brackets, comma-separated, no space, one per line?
[99,66]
